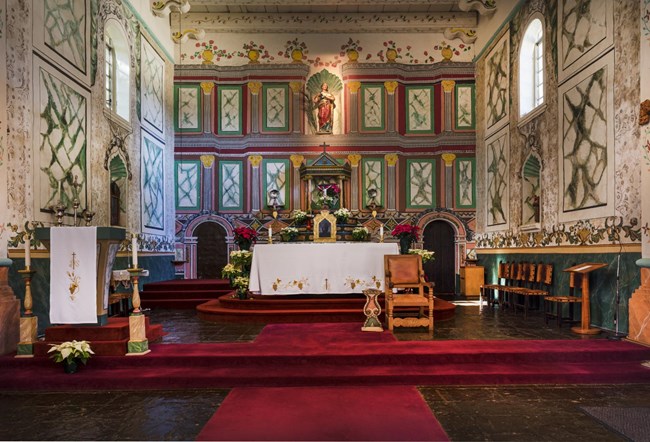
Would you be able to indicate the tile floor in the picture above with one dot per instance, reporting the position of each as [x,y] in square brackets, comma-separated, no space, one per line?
[522,413]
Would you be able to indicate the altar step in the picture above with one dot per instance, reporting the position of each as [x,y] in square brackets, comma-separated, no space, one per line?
[183,293]
[107,340]
[280,309]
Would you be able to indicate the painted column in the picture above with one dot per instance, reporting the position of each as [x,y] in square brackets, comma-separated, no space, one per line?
[190,265]
[391,181]
[207,87]
[255,161]
[254,87]
[353,111]
[4,182]
[296,109]
[207,197]
[354,160]
[296,161]
[448,158]
[448,90]
[390,86]
[639,303]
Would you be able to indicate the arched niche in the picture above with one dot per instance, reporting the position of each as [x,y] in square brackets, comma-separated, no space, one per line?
[531,192]
[117,72]
[118,189]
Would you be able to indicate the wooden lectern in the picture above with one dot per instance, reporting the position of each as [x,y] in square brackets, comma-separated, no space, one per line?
[582,271]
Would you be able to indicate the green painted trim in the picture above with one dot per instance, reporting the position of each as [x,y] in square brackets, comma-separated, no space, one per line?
[5,262]
[25,349]
[137,347]
[266,87]
[287,175]
[408,184]
[365,128]
[431,109]
[199,100]
[151,33]
[197,163]
[458,204]
[499,31]
[220,89]
[240,207]
[364,161]
[472,106]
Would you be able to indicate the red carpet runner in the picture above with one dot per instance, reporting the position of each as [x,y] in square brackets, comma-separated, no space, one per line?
[320,413]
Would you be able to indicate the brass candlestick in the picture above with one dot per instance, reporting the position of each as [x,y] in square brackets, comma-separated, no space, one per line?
[135,276]
[88,216]
[28,303]
[59,212]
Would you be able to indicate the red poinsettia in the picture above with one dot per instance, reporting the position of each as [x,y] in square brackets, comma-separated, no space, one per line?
[405,230]
[330,189]
[245,234]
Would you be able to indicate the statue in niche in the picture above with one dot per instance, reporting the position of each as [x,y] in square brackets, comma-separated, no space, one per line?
[324,101]
[320,101]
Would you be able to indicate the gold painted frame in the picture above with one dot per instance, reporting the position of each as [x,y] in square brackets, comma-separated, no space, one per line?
[324,227]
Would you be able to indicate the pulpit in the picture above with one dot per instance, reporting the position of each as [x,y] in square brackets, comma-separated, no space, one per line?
[108,243]
[583,270]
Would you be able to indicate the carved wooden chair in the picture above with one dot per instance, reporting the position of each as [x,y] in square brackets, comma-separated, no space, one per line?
[404,275]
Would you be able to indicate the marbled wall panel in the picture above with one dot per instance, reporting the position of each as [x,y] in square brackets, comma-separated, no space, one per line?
[153,187]
[643,151]
[497,163]
[152,69]
[497,85]
[3,126]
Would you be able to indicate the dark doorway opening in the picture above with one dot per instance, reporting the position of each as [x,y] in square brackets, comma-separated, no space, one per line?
[211,250]
[439,237]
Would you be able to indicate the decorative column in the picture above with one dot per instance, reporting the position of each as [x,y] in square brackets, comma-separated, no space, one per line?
[296,109]
[448,158]
[190,265]
[353,111]
[448,89]
[207,87]
[354,159]
[391,181]
[9,311]
[296,161]
[391,87]
[29,321]
[207,199]
[255,87]
[256,184]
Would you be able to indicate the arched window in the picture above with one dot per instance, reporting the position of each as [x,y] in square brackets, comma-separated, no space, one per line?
[531,68]
[117,62]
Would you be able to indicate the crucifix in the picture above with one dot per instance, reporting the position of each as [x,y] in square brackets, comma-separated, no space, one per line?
[324,146]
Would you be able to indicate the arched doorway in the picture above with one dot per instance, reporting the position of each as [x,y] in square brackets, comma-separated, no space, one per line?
[439,237]
[211,250]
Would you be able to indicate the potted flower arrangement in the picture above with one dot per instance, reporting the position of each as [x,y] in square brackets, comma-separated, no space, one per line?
[360,234]
[241,259]
[245,237]
[407,234]
[71,353]
[241,284]
[299,216]
[351,49]
[295,50]
[342,215]
[427,255]
[255,52]
[230,271]
[288,233]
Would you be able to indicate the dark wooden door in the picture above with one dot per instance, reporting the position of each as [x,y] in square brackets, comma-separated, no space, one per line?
[211,250]
[439,237]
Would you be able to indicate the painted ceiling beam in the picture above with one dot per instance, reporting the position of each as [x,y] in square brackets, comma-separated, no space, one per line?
[405,3]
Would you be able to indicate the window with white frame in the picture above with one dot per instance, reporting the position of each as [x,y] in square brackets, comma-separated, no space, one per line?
[117,70]
[531,68]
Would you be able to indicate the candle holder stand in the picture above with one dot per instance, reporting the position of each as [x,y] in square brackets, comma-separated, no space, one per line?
[138,344]
[29,321]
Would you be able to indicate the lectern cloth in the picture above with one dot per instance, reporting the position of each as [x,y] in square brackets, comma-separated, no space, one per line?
[318,268]
[73,275]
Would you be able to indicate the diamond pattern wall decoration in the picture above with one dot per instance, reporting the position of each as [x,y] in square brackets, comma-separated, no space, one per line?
[497,162]
[372,108]
[230,186]
[276,176]
[275,103]
[230,110]
[465,183]
[188,187]
[373,178]
[465,110]
[419,108]
[152,84]
[497,78]
[420,184]
[153,184]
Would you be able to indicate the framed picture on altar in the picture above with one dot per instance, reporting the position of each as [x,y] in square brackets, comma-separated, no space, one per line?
[324,227]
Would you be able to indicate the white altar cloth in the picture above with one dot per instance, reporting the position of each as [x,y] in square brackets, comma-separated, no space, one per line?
[318,268]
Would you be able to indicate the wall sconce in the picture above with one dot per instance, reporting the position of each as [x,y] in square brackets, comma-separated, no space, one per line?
[372,201]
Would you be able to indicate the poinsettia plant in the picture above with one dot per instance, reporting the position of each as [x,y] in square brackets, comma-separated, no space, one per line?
[245,236]
[406,230]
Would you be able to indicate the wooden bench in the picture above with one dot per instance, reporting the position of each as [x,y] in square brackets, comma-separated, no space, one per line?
[553,305]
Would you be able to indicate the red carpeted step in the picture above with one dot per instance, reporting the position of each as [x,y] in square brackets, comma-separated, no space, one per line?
[189,303]
[185,294]
[187,284]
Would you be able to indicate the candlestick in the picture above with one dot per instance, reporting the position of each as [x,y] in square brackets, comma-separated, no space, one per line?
[28,250]
[381,233]
[134,250]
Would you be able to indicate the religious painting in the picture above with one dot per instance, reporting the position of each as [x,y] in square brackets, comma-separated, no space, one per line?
[420,184]
[586,139]
[372,170]
[231,197]
[61,32]
[152,88]
[585,31]
[152,168]
[276,182]
[229,115]
[419,108]
[497,80]
[465,110]
[466,183]
[275,105]
[188,186]
[322,89]
[324,227]
[187,108]
[497,174]
[372,108]
[60,141]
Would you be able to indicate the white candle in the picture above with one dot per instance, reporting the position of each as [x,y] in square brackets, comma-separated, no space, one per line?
[270,233]
[28,251]
[134,250]
[381,231]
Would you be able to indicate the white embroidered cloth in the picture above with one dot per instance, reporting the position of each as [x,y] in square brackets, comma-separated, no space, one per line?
[73,275]
[318,268]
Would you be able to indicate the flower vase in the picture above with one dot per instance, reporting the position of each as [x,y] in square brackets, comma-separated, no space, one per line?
[244,245]
[70,366]
[253,56]
[353,55]
[405,244]
[296,56]
[391,55]
[242,294]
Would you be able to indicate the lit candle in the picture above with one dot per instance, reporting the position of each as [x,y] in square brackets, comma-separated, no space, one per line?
[381,231]
[134,250]
[28,252]
[270,233]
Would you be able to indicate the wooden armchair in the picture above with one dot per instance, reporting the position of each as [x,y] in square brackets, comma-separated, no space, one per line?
[404,274]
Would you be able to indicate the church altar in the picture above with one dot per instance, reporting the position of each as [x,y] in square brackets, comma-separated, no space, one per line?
[318,268]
